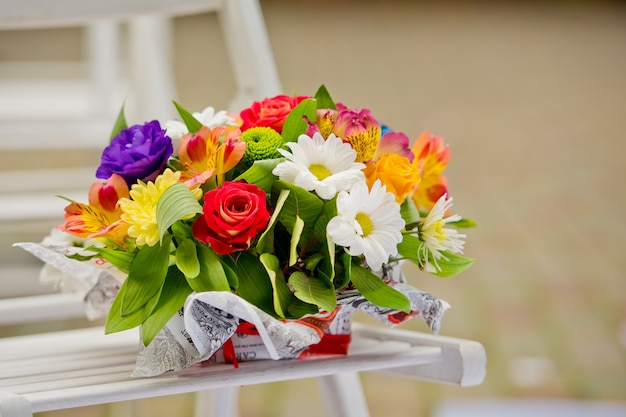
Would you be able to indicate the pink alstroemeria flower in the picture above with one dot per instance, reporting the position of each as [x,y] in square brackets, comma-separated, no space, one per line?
[433,156]
[360,129]
[394,143]
[210,152]
[101,217]
[324,124]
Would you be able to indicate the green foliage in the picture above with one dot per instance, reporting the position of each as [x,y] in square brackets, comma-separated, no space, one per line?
[451,264]
[211,276]
[254,283]
[193,125]
[119,125]
[265,243]
[377,291]
[172,298]
[146,276]
[295,124]
[409,213]
[464,223]
[176,202]
[313,290]
[281,293]
[118,258]
[324,101]
[260,173]
[187,258]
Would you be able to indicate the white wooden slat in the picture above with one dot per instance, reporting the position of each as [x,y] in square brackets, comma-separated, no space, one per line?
[12,405]
[57,306]
[68,379]
[212,377]
[56,364]
[53,181]
[19,14]
[73,388]
[465,361]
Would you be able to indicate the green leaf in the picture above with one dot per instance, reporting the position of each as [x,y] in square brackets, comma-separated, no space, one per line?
[231,276]
[281,293]
[298,309]
[119,125]
[187,258]
[313,290]
[211,276]
[312,261]
[346,262]
[79,257]
[146,276]
[193,125]
[176,202]
[324,101]
[260,173]
[295,239]
[377,291]
[409,247]
[300,203]
[464,223]
[266,240]
[116,323]
[319,229]
[295,124]
[409,212]
[453,265]
[118,258]
[172,298]
[254,283]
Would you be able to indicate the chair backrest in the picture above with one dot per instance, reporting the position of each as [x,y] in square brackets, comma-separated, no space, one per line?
[56,153]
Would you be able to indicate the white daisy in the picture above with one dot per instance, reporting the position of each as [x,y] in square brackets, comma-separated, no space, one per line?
[367,223]
[324,166]
[436,237]
[176,129]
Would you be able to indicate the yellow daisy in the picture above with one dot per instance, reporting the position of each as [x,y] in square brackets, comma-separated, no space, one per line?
[140,210]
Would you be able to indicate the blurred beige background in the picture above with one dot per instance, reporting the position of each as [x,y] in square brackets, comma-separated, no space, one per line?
[531,99]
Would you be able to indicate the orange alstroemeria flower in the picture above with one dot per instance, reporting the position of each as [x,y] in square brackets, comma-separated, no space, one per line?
[101,217]
[210,152]
[433,156]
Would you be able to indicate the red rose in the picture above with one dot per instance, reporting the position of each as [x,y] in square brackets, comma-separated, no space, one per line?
[232,217]
[270,112]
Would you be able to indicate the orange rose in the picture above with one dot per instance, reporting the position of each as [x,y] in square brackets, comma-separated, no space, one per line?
[397,173]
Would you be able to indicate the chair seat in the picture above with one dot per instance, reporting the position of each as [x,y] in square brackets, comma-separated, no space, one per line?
[84,367]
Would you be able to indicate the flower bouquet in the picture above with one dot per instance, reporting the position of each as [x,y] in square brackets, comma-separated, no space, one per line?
[257,235]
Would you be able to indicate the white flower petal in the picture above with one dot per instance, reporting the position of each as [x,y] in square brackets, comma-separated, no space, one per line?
[334,155]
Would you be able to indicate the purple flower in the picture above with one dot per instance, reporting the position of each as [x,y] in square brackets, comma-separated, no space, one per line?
[137,153]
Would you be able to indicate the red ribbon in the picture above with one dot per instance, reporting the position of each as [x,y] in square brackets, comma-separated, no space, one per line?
[331,344]
[229,353]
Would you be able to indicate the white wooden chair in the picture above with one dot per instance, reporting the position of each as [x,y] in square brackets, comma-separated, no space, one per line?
[61,370]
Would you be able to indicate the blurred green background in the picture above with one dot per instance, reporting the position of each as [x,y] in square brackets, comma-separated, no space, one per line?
[531,98]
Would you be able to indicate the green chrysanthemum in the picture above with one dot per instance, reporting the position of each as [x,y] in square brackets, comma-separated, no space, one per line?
[261,143]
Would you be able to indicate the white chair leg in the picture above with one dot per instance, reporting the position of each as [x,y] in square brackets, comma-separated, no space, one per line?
[343,395]
[222,402]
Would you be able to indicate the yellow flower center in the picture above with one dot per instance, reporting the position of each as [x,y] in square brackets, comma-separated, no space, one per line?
[320,171]
[365,222]
[440,234]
